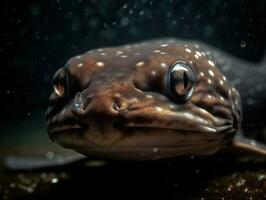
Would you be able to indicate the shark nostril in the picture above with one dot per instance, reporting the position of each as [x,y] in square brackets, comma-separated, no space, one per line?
[116,106]
[119,104]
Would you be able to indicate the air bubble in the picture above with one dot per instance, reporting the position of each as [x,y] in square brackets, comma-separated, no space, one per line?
[240,182]
[124,21]
[259,87]
[243,44]
[155,150]
[261,177]
[250,101]
[54,180]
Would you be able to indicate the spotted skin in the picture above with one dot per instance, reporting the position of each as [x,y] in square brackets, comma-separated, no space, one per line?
[113,103]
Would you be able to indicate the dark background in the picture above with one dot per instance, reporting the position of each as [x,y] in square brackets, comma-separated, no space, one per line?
[38,36]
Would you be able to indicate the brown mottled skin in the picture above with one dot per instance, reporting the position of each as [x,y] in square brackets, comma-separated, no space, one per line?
[115,103]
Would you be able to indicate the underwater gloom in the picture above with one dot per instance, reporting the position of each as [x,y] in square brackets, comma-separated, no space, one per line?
[138,99]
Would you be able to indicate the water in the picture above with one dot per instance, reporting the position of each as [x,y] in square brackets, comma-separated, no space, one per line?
[38,37]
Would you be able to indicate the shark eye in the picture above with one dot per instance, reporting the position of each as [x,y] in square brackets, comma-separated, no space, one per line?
[180,82]
[60,82]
